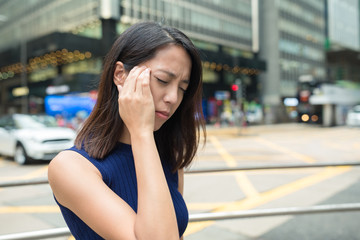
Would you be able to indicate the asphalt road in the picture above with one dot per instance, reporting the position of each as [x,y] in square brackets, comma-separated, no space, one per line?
[30,208]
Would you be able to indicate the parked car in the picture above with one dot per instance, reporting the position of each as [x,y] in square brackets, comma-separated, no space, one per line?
[254,116]
[32,137]
[353,117]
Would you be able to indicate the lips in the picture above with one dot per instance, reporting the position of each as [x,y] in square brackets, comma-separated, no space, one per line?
[162,114]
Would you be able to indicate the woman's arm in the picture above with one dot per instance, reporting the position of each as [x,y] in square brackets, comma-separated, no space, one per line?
[156,218]
[78,185]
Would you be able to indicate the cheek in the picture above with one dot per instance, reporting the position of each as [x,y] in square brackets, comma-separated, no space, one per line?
[154,90]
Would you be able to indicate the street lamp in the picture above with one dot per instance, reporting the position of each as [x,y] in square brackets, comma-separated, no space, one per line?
[24,85]
[3,19]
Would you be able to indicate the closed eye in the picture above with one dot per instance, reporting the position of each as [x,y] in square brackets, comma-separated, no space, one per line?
[182,89]
[162,81]
[165,82]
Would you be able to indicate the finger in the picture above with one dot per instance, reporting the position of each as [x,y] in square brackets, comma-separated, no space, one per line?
[143,77]
[127,83]
[145,85]
[130,82]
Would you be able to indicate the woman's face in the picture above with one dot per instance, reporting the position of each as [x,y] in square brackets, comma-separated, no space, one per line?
[169,79]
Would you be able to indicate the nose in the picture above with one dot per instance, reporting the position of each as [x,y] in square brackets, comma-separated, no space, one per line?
[171,95]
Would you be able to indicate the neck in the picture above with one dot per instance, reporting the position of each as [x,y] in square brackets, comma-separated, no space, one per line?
[125,136]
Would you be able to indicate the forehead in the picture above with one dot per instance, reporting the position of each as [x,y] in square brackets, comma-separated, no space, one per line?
[172,59]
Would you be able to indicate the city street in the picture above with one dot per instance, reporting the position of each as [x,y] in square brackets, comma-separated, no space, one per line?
[30,208]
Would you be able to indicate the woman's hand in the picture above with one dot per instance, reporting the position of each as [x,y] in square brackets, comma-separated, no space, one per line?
[136,105]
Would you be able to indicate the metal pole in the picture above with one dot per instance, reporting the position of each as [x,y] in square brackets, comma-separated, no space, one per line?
[275,212]
[272,167]
[49,233]
[24,82]
[213,170]
[24,182]
[58,232]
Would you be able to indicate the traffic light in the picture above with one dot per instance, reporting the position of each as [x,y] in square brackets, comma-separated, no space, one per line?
[234,87]
[237,89]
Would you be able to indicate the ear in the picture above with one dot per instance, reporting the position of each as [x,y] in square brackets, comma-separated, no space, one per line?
[119,74]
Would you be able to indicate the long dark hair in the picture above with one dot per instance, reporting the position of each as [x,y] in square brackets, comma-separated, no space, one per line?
[178,139]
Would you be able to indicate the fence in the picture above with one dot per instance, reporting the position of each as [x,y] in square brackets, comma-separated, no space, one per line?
[58,232]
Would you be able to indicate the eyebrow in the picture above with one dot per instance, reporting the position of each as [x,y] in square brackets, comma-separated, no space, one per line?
[173,75]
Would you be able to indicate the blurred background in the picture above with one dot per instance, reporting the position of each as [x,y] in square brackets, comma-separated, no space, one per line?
[281,99]
[264,62]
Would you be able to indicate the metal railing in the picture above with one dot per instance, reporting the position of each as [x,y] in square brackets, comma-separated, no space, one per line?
[273,166]
[41,234]
[59,232]
[208,170]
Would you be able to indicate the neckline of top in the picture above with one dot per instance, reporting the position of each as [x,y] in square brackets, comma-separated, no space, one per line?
[123,145]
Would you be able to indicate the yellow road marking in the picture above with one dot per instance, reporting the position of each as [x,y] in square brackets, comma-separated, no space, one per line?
[356,145]
[282,149]
[247,203]
[33,174]
[205,206]
[265,197]
[36,173]
[194,227]
[230,161]
[244,183]
[341,147]
[4,163]
[32,209]
[29,209]
[246,157]
[286,189]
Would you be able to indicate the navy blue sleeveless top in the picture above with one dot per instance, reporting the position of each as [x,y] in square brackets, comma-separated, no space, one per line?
[118,173]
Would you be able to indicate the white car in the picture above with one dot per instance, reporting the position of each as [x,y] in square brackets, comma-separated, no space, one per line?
[33,137]
[353,117]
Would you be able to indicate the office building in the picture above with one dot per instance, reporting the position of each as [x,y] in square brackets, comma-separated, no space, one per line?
[292,36]
[342,46]
[343,40]
[56,47]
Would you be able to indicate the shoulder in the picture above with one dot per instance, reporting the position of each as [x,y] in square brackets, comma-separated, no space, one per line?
[69,170]
[70,161]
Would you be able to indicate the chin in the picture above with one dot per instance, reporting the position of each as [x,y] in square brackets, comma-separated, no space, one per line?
[157,126]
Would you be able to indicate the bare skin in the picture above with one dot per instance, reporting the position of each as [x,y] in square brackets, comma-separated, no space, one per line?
[148,96]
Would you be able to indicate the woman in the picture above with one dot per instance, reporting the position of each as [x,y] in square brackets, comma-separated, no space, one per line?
[123,179]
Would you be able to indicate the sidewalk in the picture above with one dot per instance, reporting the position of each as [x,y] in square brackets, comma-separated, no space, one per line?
[252,130]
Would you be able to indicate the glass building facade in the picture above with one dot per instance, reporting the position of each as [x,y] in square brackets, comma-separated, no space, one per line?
[220,22]
[292,41]
[301,43]
[343,40]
